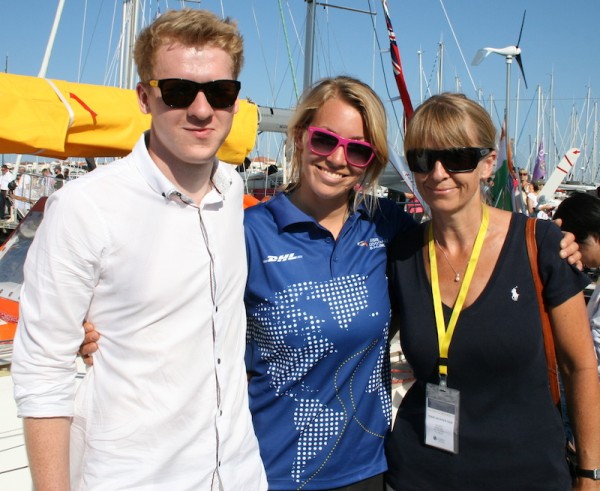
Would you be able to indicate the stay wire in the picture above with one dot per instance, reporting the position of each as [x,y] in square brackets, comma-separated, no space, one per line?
[384,70]
[458,45]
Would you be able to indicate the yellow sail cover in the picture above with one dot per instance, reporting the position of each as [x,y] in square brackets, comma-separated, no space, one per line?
[59,119]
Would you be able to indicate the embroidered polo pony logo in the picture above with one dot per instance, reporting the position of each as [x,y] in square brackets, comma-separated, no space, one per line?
[514,294]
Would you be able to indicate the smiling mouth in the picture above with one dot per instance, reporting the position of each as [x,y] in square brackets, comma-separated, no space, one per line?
[333,175]
[440,190]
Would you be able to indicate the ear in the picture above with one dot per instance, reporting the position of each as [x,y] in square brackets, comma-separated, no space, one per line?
[299,137]
[142,96]
[486,166]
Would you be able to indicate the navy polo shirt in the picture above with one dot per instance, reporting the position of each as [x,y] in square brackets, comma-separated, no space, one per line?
[318,317]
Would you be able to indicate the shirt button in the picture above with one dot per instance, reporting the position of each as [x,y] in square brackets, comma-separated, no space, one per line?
[218,361]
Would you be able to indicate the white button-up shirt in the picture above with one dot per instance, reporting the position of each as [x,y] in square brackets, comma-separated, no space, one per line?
[593,308]
[5,178]
[165,406]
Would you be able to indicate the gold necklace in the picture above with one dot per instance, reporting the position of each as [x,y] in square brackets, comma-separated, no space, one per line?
[456,273]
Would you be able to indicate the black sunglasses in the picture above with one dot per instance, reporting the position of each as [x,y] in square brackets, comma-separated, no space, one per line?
[180,93]
[464,159]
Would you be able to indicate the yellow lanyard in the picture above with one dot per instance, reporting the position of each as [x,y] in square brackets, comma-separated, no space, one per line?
[445,335]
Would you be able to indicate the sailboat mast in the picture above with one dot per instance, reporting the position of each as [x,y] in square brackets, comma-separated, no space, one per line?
[309,43]
[441,68]
[536,145]
[517,123]
[128,34]
[50,45]
[420,55]
[507,110]
[595,145]
[552,145]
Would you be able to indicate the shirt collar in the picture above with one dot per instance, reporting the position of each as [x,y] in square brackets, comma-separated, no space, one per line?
[286,214]
[221,181]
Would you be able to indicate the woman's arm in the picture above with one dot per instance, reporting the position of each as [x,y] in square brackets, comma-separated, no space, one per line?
[578,367]
[530,207]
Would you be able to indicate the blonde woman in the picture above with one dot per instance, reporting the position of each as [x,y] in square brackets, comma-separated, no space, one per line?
[480,415]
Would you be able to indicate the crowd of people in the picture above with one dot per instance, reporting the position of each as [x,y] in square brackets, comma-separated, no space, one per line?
[250,351]
[19,190]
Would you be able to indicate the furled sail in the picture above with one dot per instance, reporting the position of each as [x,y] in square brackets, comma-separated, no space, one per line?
[59,119]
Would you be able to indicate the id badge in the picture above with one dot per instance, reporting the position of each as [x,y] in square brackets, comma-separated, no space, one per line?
[441,417]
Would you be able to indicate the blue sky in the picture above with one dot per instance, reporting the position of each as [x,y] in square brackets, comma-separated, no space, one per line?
[560,42]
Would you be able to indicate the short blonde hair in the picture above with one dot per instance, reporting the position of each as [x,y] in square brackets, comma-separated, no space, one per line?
[358,95]
[188,27]
[440,121]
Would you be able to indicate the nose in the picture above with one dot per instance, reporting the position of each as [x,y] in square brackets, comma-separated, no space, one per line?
[439,171]
[338,156]
[200,108]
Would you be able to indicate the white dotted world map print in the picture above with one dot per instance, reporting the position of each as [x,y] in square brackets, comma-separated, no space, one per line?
[289,332]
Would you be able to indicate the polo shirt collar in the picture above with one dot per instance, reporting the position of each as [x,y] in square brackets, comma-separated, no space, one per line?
[286,214]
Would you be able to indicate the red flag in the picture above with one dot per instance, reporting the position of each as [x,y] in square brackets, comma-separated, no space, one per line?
[397,65]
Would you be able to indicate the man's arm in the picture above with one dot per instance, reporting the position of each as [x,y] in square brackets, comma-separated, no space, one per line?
[60,273]
[49,468]
[578,367]
[569,249]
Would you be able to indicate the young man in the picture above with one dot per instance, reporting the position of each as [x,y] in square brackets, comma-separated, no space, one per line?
[151,250]
[59,178]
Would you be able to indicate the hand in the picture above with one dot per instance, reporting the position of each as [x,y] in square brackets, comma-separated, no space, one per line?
[569,249]
[90,343]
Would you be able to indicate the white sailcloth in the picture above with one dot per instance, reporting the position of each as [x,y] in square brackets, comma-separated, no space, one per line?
[562,169]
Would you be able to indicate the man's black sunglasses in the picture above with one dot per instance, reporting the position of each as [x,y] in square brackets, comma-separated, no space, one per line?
[464,159]
[180,93]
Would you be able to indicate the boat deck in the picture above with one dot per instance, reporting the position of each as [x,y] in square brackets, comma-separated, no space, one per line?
[14,469]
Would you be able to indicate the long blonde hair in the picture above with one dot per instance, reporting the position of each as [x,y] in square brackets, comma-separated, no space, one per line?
[358,95]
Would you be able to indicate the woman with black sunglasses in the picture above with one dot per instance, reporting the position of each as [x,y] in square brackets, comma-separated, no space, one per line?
[317,301]
[480,415]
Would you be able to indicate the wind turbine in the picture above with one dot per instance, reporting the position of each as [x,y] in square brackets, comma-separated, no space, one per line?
[509,53]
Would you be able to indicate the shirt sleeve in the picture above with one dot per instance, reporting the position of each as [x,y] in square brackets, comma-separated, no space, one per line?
[561,280]
[61,270]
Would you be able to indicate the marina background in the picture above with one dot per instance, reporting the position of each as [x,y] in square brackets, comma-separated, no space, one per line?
[437,40]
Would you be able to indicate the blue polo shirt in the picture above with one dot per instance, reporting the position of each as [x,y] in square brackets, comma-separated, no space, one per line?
[318,317]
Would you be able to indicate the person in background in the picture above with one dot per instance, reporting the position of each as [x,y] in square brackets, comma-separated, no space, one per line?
[487,189]
[521,189]
[316,299]
[480,414]
[6,177]
[22,194]
[165,406]
[59,178]
[45,183]
[524,182]
[580,215]
[536,207]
